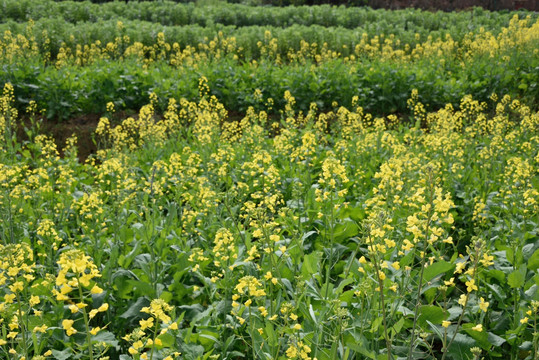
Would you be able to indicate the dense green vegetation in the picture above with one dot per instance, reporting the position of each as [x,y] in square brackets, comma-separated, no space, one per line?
[381,88]
[291,183]
[330,236]
[170,14]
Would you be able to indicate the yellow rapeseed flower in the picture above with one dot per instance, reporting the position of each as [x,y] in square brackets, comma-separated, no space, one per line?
[68,327]
[478,327]
[471,285]
[483,305]
[446,323]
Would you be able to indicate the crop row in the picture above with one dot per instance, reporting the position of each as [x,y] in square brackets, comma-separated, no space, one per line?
[382,89]
[50,34]
[172,14]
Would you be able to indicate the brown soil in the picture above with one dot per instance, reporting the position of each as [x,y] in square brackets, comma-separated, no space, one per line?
[82,126]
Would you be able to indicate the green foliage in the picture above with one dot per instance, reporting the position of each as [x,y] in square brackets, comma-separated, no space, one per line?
[380,88]
[334,234]
[171,13]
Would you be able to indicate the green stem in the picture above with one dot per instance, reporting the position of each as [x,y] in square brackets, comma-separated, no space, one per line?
[463,311]
[23,328]
[351,261]
[336,346]
[252,324]
[332,239]
[10,221]
[381,286]
[420,287]
[422,263]
[86,323]
[536,355]
[154,337]
[444,340]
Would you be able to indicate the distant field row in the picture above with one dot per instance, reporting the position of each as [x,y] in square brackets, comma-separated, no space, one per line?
[171,14]
[50,35]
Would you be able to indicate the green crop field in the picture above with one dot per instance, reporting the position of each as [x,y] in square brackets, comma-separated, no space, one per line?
[267,182]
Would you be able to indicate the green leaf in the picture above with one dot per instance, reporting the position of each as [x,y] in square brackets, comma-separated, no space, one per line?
[354,213]
[376,324]
[460,349]
[347,296]
[436,330]
[517,278]
[192,351]
[272,337]
[496,274]
[430,294]
[484,339]
[495,339]
[434,314]
[407,259]
[167,339]
[533,261]
[310,265]
[530,293]
[509,255]
[62,355]
[436,269]
[134,310]
[397,327]
[166,295]
[359,345]
[106,337]
[343,284]
[142,287]
[313,316]
[207,338]
[345,230]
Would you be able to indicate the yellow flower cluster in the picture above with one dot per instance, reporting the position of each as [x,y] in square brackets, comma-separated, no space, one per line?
[75,283]
[250,286]
[518,34]
[76,269]
[298,351]
[22,301]
[224,250]
[148,338]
